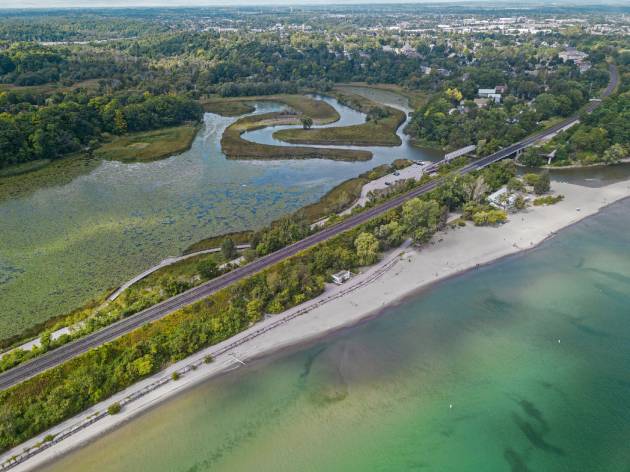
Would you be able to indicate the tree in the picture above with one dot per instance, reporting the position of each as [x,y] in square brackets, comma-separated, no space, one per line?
[531,157]
[422,218]
[476,189]
[207,268]
[307,122]
[390,234]
[454,94]
[490,217]
[228,249]
[614,154]
[543,184]
[515,184]
[367,246]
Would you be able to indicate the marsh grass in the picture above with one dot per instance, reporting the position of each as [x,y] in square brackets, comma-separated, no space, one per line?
[148,145]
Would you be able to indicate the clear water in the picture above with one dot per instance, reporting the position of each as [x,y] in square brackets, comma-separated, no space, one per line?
[75,228]
[519,366]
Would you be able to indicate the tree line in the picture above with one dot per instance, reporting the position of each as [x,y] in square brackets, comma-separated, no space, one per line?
[75,121]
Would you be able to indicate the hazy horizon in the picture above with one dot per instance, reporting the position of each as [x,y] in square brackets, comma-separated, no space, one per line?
[50,4]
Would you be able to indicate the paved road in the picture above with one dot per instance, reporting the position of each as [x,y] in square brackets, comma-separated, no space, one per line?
[53,358]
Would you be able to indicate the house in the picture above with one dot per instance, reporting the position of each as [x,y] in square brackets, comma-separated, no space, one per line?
[341,276]
[409,51]
[572,54]
[485,93]
[583,65]
[501,89]
[489,93]
[502,199]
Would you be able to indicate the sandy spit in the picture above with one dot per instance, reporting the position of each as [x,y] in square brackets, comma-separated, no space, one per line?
[399,274]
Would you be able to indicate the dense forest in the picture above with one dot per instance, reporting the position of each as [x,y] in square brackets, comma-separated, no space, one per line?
[451,119]
[74,121]
[60,96]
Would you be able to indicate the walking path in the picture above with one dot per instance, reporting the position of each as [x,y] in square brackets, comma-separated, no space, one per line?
[166,262]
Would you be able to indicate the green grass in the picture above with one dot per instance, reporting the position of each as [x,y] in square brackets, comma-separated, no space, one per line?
[227,107]
[235,147]
[416,98]
[321,112]
[148,145]
[548,200]
[23,168]
[346,193]
[182,270]
[381,132]
[239,237]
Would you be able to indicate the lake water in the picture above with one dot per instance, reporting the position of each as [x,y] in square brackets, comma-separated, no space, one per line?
[519,366]
[72,230]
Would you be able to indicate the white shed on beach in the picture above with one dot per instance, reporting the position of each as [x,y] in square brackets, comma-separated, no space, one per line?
[341,276]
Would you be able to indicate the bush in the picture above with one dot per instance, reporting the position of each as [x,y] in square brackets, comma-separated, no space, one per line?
[489,218]
[207,269]
[543,184]
[228,249]
[367,247]
[548,200]
[531,179]
[175,376]
[515,184]
[114,408]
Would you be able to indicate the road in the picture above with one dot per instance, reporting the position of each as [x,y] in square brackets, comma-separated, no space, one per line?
[58,356]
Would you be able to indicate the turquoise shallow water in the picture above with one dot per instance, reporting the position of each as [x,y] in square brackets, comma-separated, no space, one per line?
[519,366]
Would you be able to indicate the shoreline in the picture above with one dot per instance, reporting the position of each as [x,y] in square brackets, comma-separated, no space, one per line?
[451,253]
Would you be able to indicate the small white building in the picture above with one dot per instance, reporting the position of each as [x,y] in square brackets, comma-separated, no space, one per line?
[485,93]
[341,276]
[489,93]
[502,199]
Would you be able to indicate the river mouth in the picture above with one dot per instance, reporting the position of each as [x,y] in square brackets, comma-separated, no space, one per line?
[77,227]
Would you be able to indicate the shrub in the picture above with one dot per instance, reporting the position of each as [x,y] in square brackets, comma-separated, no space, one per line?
[490,217]
[175,376]
[207,269]
[543,184]
[367,247]
[548,200]
[114,408]
[531,178]
[515,184]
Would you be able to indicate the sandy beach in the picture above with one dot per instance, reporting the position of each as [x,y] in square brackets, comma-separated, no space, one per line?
[399,274]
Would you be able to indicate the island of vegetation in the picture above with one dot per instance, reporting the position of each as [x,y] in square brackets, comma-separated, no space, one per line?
[302,110]
[380,127]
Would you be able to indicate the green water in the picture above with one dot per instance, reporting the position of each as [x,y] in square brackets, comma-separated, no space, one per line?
[73,229]
[519,366]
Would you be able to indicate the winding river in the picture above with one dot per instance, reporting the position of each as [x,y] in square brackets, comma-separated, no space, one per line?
[73,229]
